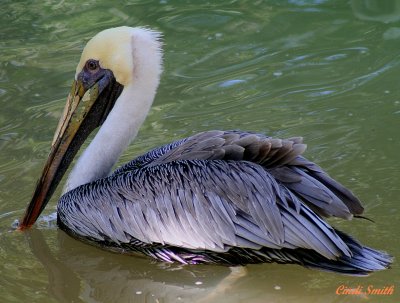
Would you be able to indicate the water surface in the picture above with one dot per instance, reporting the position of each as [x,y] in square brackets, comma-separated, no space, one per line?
[325,70]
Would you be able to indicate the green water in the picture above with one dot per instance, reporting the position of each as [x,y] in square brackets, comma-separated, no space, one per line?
[325,70]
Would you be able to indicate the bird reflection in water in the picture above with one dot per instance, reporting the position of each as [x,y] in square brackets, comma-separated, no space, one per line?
[80,273]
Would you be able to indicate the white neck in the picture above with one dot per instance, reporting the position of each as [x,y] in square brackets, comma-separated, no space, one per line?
[123,122]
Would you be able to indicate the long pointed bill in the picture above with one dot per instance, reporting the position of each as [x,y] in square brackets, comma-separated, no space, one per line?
[82,114]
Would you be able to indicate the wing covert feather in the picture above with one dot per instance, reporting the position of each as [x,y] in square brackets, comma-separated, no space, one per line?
[281,157]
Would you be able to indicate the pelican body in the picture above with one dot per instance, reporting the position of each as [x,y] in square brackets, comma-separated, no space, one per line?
[226,197]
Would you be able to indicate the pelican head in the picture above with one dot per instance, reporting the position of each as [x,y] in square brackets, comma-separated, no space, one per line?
[119,72]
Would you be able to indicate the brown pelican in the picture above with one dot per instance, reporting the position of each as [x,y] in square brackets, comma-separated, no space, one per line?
[229,197]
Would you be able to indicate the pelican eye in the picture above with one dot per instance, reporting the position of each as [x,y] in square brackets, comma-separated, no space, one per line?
[92,65]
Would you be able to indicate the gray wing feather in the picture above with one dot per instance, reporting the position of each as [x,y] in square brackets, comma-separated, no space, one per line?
[213,191]
[195,204]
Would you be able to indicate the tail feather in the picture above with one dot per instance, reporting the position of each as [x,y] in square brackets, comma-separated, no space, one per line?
[364,260]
